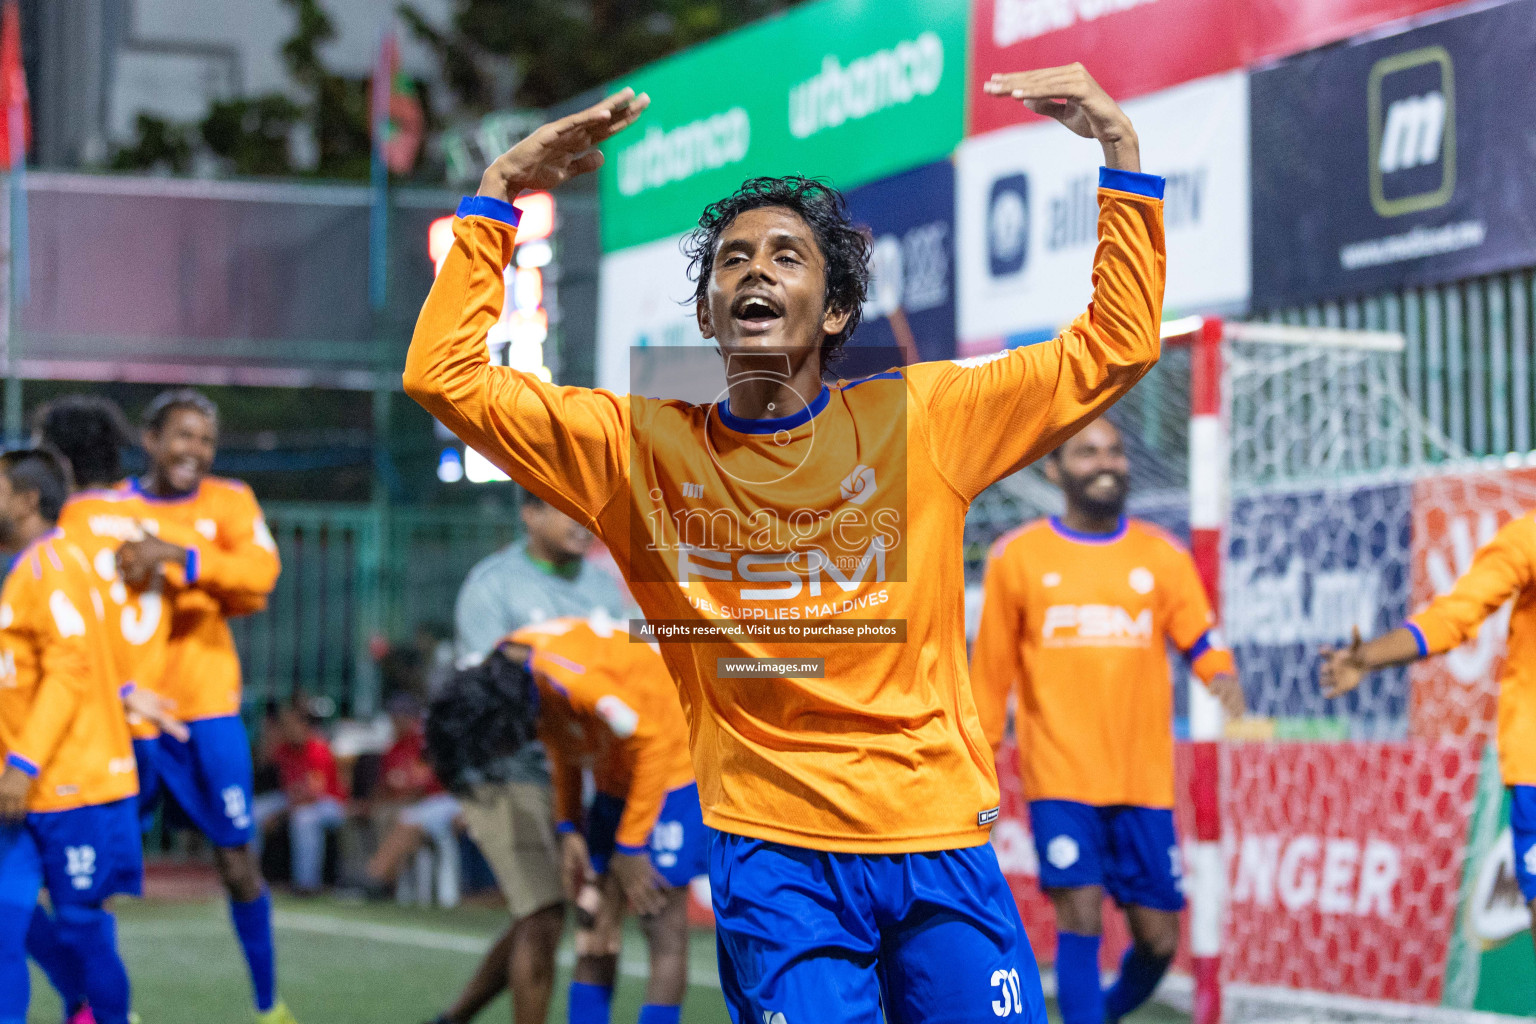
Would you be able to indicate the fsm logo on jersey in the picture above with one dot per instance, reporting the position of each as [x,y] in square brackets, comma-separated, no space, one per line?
[1412,100]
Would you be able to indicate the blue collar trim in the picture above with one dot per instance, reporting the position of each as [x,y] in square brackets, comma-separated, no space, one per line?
[773,426]
[1089,538]
[137,488]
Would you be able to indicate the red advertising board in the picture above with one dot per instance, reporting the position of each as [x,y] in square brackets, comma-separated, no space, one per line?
[1454,514]
[1343,863]
[1131,47]
[1135,47]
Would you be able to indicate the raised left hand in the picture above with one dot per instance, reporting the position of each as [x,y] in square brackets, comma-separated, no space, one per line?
[1070,95]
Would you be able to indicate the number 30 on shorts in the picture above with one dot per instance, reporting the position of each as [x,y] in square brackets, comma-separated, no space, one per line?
[1008,1001]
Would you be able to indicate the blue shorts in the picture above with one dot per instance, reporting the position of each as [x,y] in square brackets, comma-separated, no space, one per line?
[679,842]
[1522,824]
[1133,852]
[839,938]
[82,855]
[149,779]
[209,777]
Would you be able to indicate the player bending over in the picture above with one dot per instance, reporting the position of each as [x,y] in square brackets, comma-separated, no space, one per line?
[1077,614]
[1504,569]
[229,572]
[851,873]
[68,812]
[607,700]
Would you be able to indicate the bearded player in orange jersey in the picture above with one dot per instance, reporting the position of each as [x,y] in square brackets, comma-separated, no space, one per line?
[1077,615]
[229,571]
[851,786]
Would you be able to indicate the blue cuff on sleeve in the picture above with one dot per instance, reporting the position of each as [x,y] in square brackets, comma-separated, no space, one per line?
[629,851]
[1418,638]
[127,688]
[1149,185]
[192,564]
[565,827]
[22,765]
[1199,647]
[499,209]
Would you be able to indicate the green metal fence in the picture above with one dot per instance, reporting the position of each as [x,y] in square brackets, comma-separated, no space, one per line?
[352,573]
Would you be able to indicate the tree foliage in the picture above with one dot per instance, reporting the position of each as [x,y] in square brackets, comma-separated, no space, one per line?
[496,53]
[561,48]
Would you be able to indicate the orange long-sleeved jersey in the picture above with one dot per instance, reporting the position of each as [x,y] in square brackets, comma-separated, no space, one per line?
[138,623]
[851,508]
[1077,627]
[610,701]
[61,712]
[1504,568]
[230,573]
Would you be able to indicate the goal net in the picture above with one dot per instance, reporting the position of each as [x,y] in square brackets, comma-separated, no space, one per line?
[1366,845]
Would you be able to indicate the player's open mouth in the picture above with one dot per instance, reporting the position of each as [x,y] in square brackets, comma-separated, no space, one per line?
[756,313]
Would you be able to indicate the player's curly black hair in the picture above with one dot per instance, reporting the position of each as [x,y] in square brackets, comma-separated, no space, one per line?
[482,717]
[90,432]
[845,247]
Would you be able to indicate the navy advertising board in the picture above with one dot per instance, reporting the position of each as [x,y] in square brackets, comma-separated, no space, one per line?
[1404,160]
[911,219]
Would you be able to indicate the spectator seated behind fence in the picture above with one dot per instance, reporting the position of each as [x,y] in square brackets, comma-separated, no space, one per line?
[409,790]
[310,796]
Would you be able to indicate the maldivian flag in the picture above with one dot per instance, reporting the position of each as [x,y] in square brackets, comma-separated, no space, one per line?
[397,117]
[15,138]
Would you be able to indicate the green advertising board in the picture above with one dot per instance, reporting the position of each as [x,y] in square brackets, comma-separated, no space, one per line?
[848,90]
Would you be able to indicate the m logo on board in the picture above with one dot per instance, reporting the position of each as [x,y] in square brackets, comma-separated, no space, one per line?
[1412,101]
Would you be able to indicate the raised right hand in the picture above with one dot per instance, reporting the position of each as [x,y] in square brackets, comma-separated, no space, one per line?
[563,149]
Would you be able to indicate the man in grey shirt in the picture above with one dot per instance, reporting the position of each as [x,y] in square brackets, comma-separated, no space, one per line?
[544,576]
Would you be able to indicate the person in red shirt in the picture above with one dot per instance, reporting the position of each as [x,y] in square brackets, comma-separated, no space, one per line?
[429,813]
[310,794]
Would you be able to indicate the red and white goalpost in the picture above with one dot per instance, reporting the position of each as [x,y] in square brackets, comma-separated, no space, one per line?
[1209,468]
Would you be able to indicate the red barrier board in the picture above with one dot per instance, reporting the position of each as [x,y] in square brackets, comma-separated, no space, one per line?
[1135,47]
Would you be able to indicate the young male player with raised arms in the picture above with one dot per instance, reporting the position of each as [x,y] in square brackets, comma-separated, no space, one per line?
[851,873]
[1503,570]
[68,815]
[1076,618]
[229,572]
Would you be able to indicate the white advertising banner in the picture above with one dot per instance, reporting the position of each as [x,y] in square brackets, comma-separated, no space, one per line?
[642,302]
[1027,213]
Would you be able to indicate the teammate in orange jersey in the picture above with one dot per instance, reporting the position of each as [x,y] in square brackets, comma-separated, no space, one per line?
[229,572]
[1077,613]
[67,810]
[89,432]
[852,801]
[1503,570]
[607,699]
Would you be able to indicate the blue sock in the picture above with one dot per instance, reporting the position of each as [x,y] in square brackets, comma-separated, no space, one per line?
[1077,979]
[62,969]
[90,933]
[588,1004]
[253,927]
[1139,974]
[15,979]
[656,1013]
